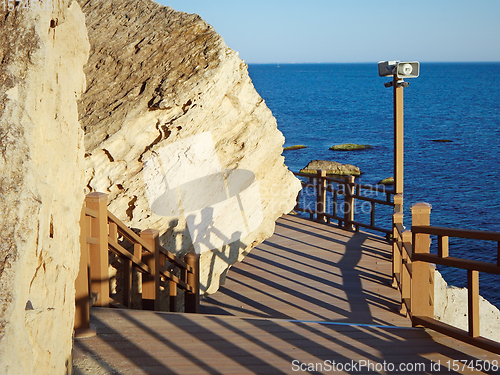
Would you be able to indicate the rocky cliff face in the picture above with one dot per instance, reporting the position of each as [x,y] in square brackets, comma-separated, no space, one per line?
[177,136]
[41,186]
[451,308]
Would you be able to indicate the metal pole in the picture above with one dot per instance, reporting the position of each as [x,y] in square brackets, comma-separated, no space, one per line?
[398,135]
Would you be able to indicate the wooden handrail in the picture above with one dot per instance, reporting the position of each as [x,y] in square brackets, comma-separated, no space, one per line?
[100,233]
[129,233]
[340,180]
[349,191]
[465,264]
[133,237]
[123,253]
[90,212]
[416,282]
[458,233]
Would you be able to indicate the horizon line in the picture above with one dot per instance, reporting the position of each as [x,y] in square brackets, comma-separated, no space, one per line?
[369,62]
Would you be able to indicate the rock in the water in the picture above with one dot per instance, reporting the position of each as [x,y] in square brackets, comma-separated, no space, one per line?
[178,137]
[349,147]
[42,180]
[387,181]
[331,167]
[295,147]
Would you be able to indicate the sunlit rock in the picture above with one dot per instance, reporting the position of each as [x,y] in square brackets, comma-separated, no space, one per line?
[42,179]
[178,137]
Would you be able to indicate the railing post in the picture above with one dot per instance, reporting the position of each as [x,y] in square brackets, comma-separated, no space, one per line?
[397,244]
[398,203]
[99,262]
[173,296]
[192,299]
[348,202]
[82,285]
[422,288]
[151,283]
[311,184]
[498,254]
[473,302]
[405,277]
[398,136]
[397,218]
[321,196]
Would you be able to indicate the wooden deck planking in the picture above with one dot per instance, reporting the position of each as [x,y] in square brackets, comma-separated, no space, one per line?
[304,272]
[255,323]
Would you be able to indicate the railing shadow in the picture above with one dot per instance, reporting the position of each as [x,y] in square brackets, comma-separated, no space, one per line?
[268,293]
[323,282]
[169,343]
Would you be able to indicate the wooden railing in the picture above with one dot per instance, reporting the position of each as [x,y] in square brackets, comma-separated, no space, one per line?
[413,271]
[334,199]
[101,234]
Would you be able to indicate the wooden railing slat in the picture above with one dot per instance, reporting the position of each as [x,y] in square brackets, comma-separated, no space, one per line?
[412,275]
[100,231]
[171,277]
[98,252]
[465,264]
[119,250]
[90,212]
[177,261]
[443,246]
[129,233]
[459,233]
[92,240]
[350,191]
[473,302]
[456,333]
[373,200]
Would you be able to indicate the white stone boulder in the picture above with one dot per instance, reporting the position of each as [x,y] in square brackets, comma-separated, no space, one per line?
[178,137]
[41,183]
[450,307]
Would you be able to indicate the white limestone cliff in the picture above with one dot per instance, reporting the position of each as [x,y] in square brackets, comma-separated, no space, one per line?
[178,137]
[451,308]
[41,184]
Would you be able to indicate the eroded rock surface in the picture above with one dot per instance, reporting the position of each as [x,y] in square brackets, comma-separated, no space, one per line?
[349,147]
[41,186]
[331,167]
[451,308]
[175,131]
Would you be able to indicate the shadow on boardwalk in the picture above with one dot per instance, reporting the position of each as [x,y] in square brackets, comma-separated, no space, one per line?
[310,271]
[311,294]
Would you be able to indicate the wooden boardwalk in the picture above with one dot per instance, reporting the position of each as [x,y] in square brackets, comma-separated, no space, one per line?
[311,295]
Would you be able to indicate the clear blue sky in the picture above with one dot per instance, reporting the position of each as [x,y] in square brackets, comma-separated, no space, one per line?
[269,31]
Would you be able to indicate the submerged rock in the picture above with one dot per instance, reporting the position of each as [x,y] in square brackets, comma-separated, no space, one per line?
[331,168]
[178,137]
[387,181]
[349,147]
[295,147]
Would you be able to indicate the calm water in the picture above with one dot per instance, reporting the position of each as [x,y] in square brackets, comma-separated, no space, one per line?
[319,105]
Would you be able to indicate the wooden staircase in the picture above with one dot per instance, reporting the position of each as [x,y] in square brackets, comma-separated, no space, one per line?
[102,235]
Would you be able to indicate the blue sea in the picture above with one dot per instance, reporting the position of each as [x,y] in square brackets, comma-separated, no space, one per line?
[319,105]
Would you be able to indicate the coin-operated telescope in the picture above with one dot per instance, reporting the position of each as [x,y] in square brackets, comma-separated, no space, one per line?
[399,69]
